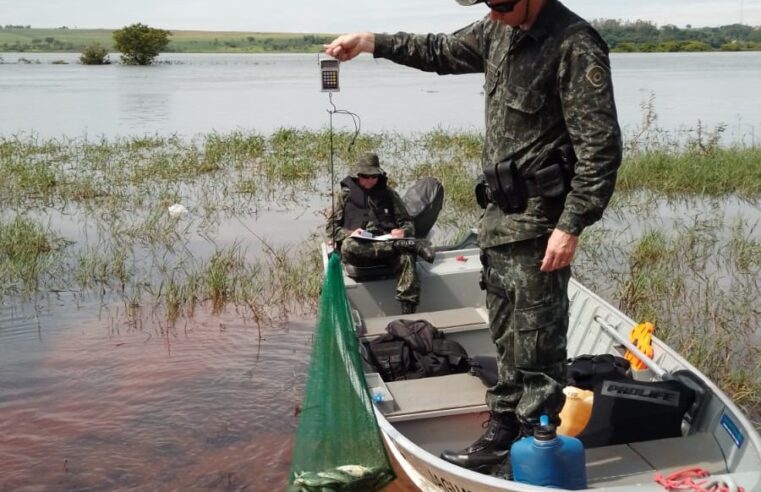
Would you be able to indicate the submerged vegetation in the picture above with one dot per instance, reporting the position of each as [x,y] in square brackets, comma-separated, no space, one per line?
[92,217]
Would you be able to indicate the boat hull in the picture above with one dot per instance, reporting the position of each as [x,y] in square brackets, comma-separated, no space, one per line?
[720,438]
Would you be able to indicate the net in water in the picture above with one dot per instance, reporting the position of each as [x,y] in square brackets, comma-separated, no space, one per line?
[338,443]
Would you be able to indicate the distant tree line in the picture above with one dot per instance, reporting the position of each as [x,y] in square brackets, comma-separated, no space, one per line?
[28,26]
[204,43]
[292,44]
[645,36]
[48,43]
[621,36]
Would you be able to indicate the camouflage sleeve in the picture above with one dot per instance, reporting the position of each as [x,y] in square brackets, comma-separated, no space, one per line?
[586,93]
[334,228]
[402,217]
[459,52]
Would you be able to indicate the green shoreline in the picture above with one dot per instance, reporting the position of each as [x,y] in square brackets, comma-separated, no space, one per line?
[34,40]
[639,37]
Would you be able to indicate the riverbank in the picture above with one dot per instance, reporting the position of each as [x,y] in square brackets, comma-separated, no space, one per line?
[37,40]
[51,40]
[679,245]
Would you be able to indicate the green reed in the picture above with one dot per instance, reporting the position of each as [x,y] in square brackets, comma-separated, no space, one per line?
[467,145]
[720,172]
[28,253]
[698,281]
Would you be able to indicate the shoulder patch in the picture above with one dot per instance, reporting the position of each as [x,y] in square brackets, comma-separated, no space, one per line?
[596,76]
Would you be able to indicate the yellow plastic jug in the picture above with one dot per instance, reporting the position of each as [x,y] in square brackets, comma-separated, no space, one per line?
[576,411]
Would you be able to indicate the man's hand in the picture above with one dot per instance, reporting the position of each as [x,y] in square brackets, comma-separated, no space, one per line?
[397,233]
[358,232]
[560,250]
[347,46]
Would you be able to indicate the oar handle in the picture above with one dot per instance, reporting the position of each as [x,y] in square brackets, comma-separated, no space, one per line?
[650,363]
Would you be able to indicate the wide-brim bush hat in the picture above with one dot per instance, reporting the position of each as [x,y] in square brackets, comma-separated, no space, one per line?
[368,165]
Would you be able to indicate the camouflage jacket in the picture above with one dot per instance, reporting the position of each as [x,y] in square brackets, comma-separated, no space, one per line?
[546,87]
[335,229]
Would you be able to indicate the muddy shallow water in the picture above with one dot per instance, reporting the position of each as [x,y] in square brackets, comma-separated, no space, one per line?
[93,404]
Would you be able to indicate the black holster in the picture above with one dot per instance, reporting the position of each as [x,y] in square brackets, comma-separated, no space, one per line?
[483,281]
[553,180]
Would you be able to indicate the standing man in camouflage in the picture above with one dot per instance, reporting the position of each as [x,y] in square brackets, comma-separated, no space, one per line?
[551,153]
[368,204]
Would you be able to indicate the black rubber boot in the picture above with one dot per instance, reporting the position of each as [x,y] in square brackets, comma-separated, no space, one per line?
[420,247]
[408,307]
[425,250]
[489,454]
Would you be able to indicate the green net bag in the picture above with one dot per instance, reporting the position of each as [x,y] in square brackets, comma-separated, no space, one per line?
[338,443]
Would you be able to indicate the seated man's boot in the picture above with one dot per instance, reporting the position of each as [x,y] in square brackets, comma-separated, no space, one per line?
[420,247]
[491,451]
[408,307]
[425,250]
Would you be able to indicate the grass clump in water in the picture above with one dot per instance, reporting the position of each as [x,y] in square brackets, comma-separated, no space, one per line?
[698,282]
[236,148]
[724,171]
[461,145]
[26,253]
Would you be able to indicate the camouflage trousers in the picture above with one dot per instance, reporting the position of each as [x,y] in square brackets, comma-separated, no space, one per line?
[528,314]
[367,253]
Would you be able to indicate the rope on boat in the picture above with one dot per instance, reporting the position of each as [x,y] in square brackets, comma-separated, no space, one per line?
[697,480]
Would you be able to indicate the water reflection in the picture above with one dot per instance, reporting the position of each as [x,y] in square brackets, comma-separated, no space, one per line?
[136,110]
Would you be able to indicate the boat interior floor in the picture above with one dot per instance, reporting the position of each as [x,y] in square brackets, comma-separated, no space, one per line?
[432,415]
[448,412]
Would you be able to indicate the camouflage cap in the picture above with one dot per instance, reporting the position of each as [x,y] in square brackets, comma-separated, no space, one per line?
[499,7]
[369,165]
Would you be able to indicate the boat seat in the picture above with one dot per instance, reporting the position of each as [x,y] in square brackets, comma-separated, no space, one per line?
[437,396]
[636,463]
[446,321]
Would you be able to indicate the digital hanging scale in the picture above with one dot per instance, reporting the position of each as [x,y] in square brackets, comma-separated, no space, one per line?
[329,75]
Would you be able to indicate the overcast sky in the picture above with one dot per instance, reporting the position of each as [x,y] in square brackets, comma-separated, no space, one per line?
[333,16]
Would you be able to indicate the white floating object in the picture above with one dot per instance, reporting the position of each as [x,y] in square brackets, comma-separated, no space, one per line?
[177,210]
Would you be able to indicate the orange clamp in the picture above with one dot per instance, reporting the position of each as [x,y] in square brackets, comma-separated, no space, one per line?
[641,337]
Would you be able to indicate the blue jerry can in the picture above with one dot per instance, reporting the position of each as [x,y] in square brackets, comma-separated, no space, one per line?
[548,459]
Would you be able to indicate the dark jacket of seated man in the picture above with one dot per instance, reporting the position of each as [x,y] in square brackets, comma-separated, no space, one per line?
[367,203]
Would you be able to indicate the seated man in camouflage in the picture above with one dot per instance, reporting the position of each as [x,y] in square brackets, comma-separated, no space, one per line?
[367,204]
